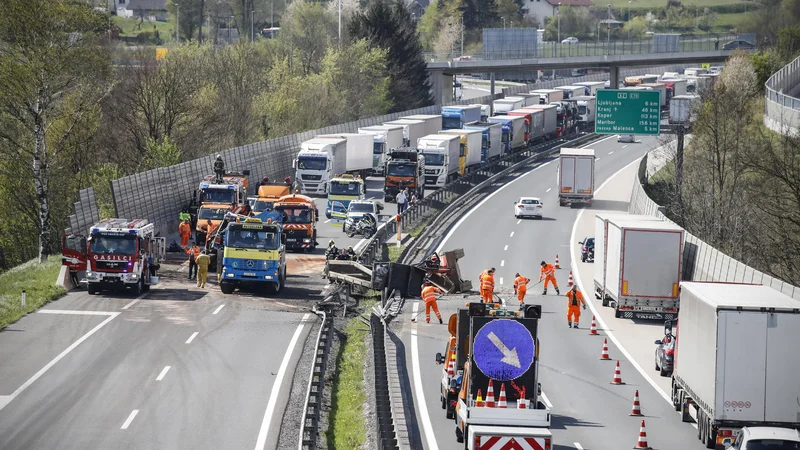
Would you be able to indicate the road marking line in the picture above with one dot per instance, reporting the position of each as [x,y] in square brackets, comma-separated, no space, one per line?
[163,372]
[505,248]
[501,280]
[596,159]
[218,309]
[512,233]
[500,189]
[546,401]
[129,420]
[502,263]
[6,399]
[327,220]
[276,386]
[611,152]
[548,190]
[624,145]
[519,221]
[131,304]
[577,445]
[77,313]
[191,338]
[590,299]
[419,392]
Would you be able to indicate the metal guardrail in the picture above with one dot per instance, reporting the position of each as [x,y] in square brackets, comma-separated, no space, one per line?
[782,111]
[309,427]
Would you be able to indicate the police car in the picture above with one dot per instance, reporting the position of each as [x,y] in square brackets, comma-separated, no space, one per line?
[528,207]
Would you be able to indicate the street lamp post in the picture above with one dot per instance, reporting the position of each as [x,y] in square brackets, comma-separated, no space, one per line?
[504,22]
[252,27]
[608,38]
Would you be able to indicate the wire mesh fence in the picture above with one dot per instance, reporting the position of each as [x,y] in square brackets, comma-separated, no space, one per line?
[782,111]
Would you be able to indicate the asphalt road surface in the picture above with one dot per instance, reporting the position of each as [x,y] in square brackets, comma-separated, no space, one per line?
[588,412]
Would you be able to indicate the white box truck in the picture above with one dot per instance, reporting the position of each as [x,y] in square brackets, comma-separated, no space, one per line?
[736,362]
[662,90]
[528,98]
[412,130]
[643,268]
[587,106]
[513,132]
[550,119]
[433,123]
[575,176]
[486,111]
[680,108]
[591,87]
[384,138]
[472,144]
[505,105]
[571,91]
[547,96]
[492,139]
[331,155]
[442,153]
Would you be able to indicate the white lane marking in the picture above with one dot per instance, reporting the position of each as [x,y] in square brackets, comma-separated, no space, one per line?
[505,248]
[163,373]
[596,159]
[276,386]
[601,324]
[501,280]
[502,263]
[546,400]
[191,338]
[218,309]
[77,313]
[129,420]
[611,152]
[577,445]
[6,399]
[512,234]
[548,190]
[131,304]
[489,197]
[419,392]
[519,221]
[327,220]
[624,145]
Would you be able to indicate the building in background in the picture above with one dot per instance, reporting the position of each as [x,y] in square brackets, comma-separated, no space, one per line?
[540,9]
[150,10]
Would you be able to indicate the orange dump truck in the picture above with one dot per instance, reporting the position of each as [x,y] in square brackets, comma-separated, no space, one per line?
[300,217]
[268,194]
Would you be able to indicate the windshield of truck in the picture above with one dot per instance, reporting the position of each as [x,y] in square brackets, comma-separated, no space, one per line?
[771,444]
[294,214]
[340,188]
[211,213]
[560,122]
[377,148]
[262,205]
[360,207]
[449,123]
[312,163]
[434,159]
[252,239]
[218,195]
[113,245]
[75,243]
[401,170]
[505,137]
[485,143]
[581,109]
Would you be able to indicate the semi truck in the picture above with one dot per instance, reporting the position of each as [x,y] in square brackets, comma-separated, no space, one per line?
[528,126]
[442,158]
[525,420]
[384,137]
[268,194]
[486,111]
[587,108]
[676,85]
[547,96]
[640,79]
[455,117]
[119,254]
[504,105]
[736,361]
[327,156]
[550,120]
[412,130]
[575,176]
[471,143]
[530,99]
[591,87]
[681,107]
[253,254]
[643,262]
[491,139]
[300,217]
[566,117]
[513,132]
[433,124]
[404,169]
[662,90]
[571,91]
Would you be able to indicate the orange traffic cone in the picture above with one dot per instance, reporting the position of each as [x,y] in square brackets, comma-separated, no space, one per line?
[479,400]
[451,366]
[604,355]
[637,408]
[570,283]
[617,375]
[522,403]
[557,265]
[501,403]
[593,330]
[490,395]
[642,442]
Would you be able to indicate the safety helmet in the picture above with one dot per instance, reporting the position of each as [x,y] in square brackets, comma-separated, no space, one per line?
[491,270]
[350,248]
[544,263]
[517,274]
[219,156]
[330,242]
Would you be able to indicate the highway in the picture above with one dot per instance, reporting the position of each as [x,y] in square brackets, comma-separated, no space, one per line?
[588,412]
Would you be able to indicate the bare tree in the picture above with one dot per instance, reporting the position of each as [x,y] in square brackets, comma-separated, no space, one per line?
[447,39]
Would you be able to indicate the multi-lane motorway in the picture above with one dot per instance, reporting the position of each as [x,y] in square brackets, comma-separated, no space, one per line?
[589,412]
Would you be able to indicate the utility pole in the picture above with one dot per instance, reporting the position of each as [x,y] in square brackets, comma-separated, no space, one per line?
[178,23]
[608,37]
[629,19]
[208,27]
[252,27]
[462,33]
[558,18]
[272,20]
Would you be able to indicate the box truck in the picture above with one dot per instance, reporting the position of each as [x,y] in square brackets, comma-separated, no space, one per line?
[587,106]
[571,91]
[534,123]
[680,108]
[486,111]
[550,119]
[643,261]
[471,141]
[505,105]
[575,176]
[412,130]
[492,139]
[529,99]
[591,87]
[736,362]
[662,90]
[676,85]
[513,132]
[433,123]
[442,154]
[547,96]
[384,138]
[326,156]
[455,117]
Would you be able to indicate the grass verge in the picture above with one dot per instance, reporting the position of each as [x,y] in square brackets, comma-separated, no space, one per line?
[37,280]
[348,427]
[395,251]
[131,27]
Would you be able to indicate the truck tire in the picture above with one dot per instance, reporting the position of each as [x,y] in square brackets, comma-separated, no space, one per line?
[92,288]
[139,288]
[605,300]
[275,288]
[617,312]
[701,436]
[226,288]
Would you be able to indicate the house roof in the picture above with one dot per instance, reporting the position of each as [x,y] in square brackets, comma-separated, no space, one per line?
[151,5]
[570,2]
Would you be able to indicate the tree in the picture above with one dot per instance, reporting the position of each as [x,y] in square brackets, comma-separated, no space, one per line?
[306,34]
[192,15]
[765,64]
[574,22]
[511,10]
[479,14]
[360,74]
[53,75]
[448,38]
[391,27]
[636,27]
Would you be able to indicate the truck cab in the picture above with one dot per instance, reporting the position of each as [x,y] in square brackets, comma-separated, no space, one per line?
[313,164]
[404,169]
[215,212]
[232,190]
[343,189]
[455,117]
[268,194]
[73,252]
[300,217]
[254,253]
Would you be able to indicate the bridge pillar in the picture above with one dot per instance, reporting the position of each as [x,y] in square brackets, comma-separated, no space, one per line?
[441,88]
[613,77]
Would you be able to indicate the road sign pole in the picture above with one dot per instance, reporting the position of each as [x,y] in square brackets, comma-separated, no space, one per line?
[679,163]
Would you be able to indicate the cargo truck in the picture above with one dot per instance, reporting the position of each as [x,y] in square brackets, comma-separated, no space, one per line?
[587,106]
[505,105]
[530,99]
[412,130]
[736,360]
[591,87]
[571,91]
[550,120]
[643,261]
[662,90]
[491,136]
[547,96]
[471,141]
[575,176]
[513,129]
[433,124]
[681,107]
[404,169]
[455,117]
[676,85]
[486,111]
[442,154]
[384,137]
[527,126]
[253,254]
[327,156]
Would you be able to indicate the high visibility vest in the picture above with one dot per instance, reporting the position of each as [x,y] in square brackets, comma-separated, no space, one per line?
[574,300]
[547,270]
[487,282]
[184,228]
[429,293]
[521,282]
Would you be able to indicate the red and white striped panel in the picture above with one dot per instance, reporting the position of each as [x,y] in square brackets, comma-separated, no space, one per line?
[295,226]
[511,443]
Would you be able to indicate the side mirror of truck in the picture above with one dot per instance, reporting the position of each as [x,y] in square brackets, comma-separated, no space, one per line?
[439,358]
[283,238]
[294,164]
[580,242]
[658,342]
[668,328]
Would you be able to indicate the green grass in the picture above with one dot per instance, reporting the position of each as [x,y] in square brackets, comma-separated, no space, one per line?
[347,429]
[130,27]
[39,282]
[732,20]
[395,251]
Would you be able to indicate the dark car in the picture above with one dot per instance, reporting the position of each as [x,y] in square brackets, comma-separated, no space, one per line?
[665,355]
[733,45]
[587,249]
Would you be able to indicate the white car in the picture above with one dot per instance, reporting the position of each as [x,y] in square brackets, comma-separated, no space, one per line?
[570,40]
[628,138]
[764,438]
[528,207]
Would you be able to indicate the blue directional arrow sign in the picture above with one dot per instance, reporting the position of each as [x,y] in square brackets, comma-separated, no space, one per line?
[504,349]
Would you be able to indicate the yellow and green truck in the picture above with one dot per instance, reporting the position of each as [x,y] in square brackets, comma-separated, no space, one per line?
[253,253]
[342,190]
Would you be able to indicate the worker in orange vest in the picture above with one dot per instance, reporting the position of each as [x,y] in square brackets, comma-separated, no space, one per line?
[193,251]
[212,230]
[487,285]
[521,287]
[574,302]
[548,274]
[429,292]
[185,230]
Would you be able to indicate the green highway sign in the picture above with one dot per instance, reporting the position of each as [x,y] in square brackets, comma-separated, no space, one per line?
[628,111]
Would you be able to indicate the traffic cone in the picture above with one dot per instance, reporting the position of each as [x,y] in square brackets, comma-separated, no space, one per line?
[557,265]
[501,403]
[593,330]
[637,408]
[479,400]
[642,442]
[490,395]
[617,375]
[604,355]
[522,403]
[451,366]
[569,283]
